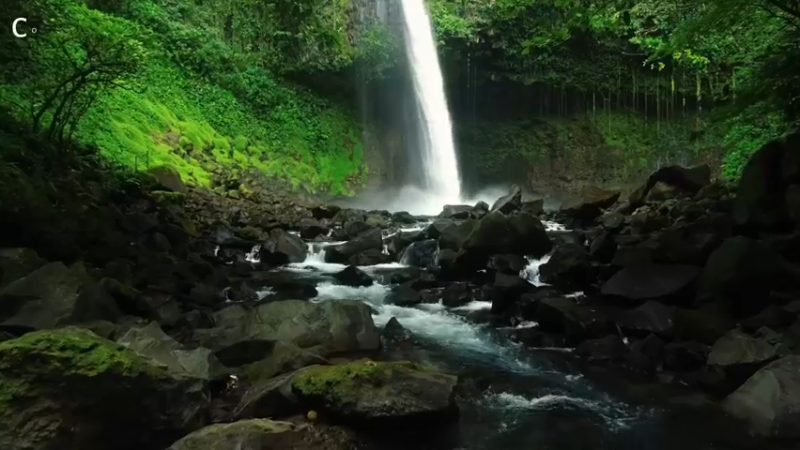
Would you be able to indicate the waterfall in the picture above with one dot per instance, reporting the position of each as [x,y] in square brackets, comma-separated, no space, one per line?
[439,164]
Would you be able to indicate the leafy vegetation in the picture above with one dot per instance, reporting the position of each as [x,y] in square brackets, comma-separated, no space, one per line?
[733,65]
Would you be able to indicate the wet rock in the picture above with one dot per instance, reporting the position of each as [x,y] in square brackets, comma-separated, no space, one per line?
[394,332]
[421,254]
[345,215]
[743,273]
[16,263]
[496,234]
[106,396]
[368,240]
[770,400]
[380,394]
[646,355]
[281,358]
[55,295]
[589,204]
[402,239]
[456,212]
[506,292]
[508,263]
[322,212]
[353,276]
[650,281]
[609,348]
[284,246]
[311,228]
[692,243]
[404,218]
[322,328]
[509,202]
[705,324]
[480,209]
[739,354]
[354,228]
[456,294]
[568,266]
[377,219]
[564,315]
[369,258]
[673,179]
[651,317]
[151,342]
[259,434]
[404,295]
[603,247]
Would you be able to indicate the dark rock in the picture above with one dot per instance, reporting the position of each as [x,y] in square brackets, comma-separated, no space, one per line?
[369,258]
[311,228]
[651,317]
[603,247]
[322,212]
[282,357]
[760,195]
[16,263]
[404,295]
[612,220]
[394,333]
[384,395]
[743,273]
[685,356]
[531,238]
[496,233]
[371,239]
[377,220]
[506,291]
[456,212]
[768,400]
[353,276]
[678,179]
[589,204]
[650,281]
[563,315]
[568,266]
[633,256]
[480,209]
[258,434]
[404,218]
[282,248]
[646,354]
[95,376]
[509,202]
[705,324]
[421,254]
[507,263]
[772,316]
[533,207]
[793,202]
[402,239]
[609,348]
[345,215]
[456,294]
[355,228]
[692,243]
[740,355]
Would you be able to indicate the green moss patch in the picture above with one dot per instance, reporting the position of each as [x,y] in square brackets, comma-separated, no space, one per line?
[341,382]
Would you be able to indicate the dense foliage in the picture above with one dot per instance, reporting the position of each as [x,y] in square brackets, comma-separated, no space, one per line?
[204,87]
[735,59]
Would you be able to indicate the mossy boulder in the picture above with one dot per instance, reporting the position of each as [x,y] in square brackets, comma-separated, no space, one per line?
[382,394]
[260,434]
[168,198]
[168,178]
[71,389]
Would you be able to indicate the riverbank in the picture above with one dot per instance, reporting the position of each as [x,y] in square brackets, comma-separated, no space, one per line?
[611,324]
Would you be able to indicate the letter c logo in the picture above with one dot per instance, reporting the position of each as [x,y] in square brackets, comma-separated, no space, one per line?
[14,27]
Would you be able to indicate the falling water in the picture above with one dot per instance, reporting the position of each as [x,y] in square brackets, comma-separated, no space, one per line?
[439,164]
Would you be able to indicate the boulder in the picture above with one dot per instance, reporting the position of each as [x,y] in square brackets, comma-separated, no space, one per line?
[692,243]
[345,215]
[55,295]
[770,399]
[672,179]
[280,358]
[685,356]
[742,273]
[509,202]
[311,228]
[402,239]
[378,219]
[321,212]
[168,178]
[421,254]
[367,394]
[507,263]
[456,212]
[705,324]
[612,220]
[88,393]
[456,294]
[564,315]
[480,209]
[737,350]
[650,281]
[506,291]
[610,348]
[353,276]
[371,239]
[16,263]
[354,228]
[651,317]
[322,328]
[761,192]
[533,207]
[405,294]
[369,258]
[151,342]
[568,266]
[589,204]
[260,434]
[404,218]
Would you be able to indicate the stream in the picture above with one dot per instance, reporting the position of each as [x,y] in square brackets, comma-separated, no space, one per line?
[537,398]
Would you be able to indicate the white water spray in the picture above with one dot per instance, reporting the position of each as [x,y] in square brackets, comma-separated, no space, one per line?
[439,163]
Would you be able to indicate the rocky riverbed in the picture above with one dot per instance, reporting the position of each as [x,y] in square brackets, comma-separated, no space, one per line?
[179,319]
